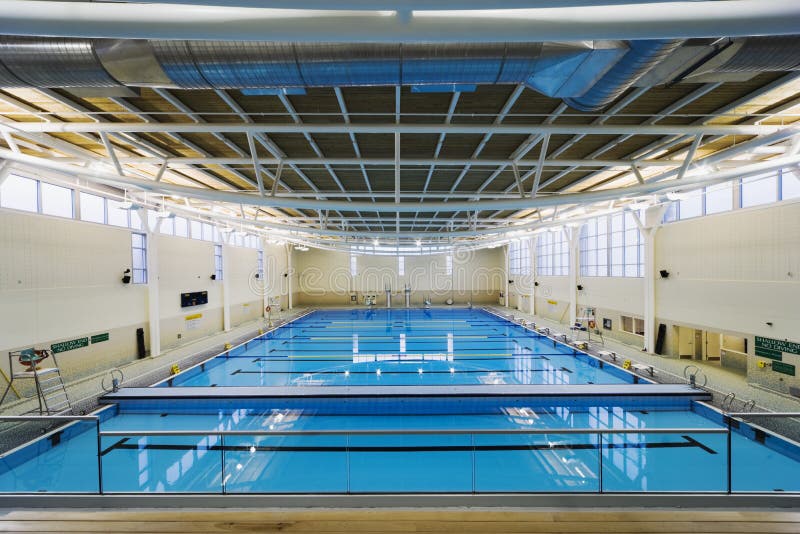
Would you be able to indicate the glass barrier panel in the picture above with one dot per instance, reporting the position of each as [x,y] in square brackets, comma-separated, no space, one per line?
[62,459]
[434,463]
[683,462]
[536,463]
[762,461]
[286,464]
[162,464]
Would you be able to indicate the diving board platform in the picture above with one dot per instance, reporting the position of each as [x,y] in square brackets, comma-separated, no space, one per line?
[584,391]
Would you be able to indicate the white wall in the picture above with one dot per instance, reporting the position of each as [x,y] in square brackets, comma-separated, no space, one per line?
[730,273]
[733,273]
[324,277]
[60,279]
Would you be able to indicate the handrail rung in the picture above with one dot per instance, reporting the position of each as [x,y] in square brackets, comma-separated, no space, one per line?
[515,431]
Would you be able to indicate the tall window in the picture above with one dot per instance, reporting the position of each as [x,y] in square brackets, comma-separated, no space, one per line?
[353,265]
[139,263]
[790,184]
[116,216]
[594,247]
[519,257]
[448,265]
[218,262]
[260,264]
[758,190]
[552,254]
[19,193]
[56,200]
[612,246]
[401,265]
[93,208]
[719,198]
[627,247]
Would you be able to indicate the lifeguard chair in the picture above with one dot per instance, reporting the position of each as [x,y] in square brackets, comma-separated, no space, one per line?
[50,389]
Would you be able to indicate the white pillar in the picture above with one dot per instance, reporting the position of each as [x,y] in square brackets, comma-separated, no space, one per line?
[263,278]
[648,230]
[289,273]
[649,236]
[226,287]
[153,306]
[572,236]
[505,275]
[532,303]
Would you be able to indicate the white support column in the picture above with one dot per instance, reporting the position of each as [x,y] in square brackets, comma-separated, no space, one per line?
[572,236]
[505,275]
[153,303]
[226,286]
[649,236]
[289,272]
[532,309]
[648,230]
[263,285]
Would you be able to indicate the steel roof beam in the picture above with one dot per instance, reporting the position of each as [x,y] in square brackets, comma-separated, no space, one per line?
[389,128]
[660,20]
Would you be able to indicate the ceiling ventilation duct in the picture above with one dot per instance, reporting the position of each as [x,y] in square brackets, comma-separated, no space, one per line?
[754,55]
[555,69]
[587,75]
[642,56]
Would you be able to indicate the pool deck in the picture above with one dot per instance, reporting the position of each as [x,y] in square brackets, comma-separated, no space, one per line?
[721,380]
[343,392]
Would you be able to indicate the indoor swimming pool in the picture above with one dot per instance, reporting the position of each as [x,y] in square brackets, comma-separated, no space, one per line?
[399,347]
[549,420]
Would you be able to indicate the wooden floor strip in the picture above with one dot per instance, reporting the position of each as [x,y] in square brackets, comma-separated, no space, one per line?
[367,521]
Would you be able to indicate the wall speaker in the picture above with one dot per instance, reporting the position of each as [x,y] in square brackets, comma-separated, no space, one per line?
[214,276]
[580,287]
[664,273]
[126,276]
[536,284]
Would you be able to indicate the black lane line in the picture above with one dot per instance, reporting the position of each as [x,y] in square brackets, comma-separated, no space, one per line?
[121,445]
[118,445]
[696,443]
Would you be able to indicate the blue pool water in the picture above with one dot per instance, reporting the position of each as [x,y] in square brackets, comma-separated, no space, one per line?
[401,347]
[463,451]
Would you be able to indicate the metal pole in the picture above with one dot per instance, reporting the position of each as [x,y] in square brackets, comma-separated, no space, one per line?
[600,460]
[99,458]
[222,462]
[474,462]
[730,454]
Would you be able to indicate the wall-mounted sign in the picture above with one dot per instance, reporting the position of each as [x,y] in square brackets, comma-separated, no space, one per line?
[606,323]
[783,368]
[72,344]
[99,338]
[193,321]
[552,302]
[774,348]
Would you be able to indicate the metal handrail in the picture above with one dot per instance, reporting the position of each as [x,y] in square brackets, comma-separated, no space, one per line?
[426,431]
[32,418]
[763,414]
